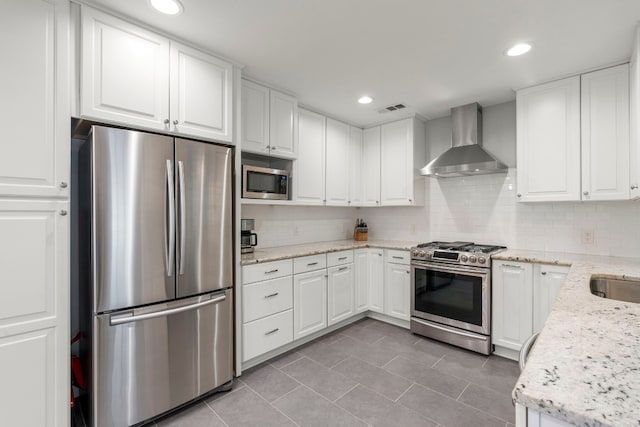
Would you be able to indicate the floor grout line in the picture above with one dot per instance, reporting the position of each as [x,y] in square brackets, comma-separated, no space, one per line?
[345,393]
[383,366]
[465,389]
[269,403]
[437,361]
[287,393]
[404,392]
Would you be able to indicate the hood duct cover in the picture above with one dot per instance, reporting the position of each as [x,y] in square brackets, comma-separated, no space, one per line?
[466,155]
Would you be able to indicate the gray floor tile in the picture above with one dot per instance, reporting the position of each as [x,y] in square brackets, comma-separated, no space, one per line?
[492,402]
[426,376]
[432,347]
[499,375]
[324,354]
[199,415]
[403,348]
[324,381]
[309,409]
[361,332]
[379,411]
[285,359]
[396,332]
[465,358]
[330,338]
[269,382]
[374,354]
[245,408]
[377,379]
[446,411]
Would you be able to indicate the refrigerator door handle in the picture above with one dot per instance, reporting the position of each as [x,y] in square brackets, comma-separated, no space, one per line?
[118,319]
[169,247]
[183,226]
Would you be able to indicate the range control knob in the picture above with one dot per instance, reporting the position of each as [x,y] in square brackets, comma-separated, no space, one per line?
[482,260]
[464,258]
[429,255]
[422,254]
[472,258]
[415,253]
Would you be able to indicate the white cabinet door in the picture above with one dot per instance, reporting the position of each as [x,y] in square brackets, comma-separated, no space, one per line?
[634,122]
[201,94]
[355,167]
[512,302]
[396,172]
[309,303]
[34,152]
[605,134]
[283,125]
[361,261]
[397,294]
[337,161]
[125,72]
[547,281]
[376,280]
[371,167]
[341,293]
[548,141]
[255,118]
[34,313]
[308,179]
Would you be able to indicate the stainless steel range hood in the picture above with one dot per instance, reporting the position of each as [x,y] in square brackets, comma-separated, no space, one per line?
[466,155]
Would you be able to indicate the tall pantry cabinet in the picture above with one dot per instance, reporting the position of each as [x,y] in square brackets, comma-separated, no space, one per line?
[34,220]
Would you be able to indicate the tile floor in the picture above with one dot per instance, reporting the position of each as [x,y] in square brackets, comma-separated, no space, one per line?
[366,374]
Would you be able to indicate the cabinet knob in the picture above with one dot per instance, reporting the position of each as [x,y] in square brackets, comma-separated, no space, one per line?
[408,272]
[544,273]
[63,212]
[63,184]
[410,200]
[377,202]
[175,122]
[518,195]
[349,201]
[586,193]
[634,186]
[166,121]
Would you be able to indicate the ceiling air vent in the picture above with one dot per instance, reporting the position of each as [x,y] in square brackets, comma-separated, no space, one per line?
[392,108]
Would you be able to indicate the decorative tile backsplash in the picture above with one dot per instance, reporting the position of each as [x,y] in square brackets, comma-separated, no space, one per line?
[481,208]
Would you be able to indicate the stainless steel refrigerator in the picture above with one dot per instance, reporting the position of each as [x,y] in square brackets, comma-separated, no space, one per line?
[156,229]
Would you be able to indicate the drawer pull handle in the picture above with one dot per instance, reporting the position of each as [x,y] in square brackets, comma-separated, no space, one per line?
[271,271]
[312,263]
[342,258]
[397,257]
[342,268]
[512,266]
[271,295]
[271,332]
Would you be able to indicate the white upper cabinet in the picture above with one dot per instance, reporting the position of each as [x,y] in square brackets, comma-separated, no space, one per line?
[309,170]
[200,94]
[634,122]
[135,77]
[548,141]
[355,166]
[255,117]
[283,122]
[34,152]
[337,163]
[605,134]
[402,149]
[371,167]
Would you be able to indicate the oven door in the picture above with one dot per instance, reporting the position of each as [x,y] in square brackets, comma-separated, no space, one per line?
[457,296]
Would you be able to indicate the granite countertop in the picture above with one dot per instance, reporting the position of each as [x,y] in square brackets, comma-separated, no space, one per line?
[285,252]
[585,365]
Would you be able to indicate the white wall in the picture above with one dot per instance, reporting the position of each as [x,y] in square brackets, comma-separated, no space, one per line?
[480,208]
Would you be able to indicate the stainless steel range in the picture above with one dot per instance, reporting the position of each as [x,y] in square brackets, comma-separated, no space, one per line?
[451,293]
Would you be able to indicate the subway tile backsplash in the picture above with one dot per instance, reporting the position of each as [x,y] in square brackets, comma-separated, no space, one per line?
[480,208]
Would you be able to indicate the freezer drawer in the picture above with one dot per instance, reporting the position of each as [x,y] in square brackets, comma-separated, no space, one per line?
[147,361]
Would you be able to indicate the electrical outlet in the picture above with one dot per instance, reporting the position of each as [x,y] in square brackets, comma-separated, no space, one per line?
[296,230]
[587,237]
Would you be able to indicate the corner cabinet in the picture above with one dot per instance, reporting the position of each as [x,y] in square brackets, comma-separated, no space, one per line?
[402,153]
[573,138]
[132,76]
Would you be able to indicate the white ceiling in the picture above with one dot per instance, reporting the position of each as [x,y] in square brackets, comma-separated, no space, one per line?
[428,54]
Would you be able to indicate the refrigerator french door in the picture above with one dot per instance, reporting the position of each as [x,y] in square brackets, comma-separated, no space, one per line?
[161,272]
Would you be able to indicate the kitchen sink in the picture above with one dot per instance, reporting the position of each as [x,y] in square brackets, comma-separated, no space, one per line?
[618,289]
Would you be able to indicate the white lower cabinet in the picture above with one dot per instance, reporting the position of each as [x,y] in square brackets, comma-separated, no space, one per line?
[376,280]
[523,294]
[397,288]
[266,334]
[309,302]
[361,277]
[538,419]
[264,298]
[341,293]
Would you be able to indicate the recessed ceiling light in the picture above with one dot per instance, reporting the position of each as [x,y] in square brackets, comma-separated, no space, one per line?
[365,100]
[519,49]
[168,7]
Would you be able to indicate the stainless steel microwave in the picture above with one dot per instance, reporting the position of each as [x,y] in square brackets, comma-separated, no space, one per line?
[264,183]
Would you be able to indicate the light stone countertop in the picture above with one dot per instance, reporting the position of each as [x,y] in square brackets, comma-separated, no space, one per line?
[585,365]
[285,252]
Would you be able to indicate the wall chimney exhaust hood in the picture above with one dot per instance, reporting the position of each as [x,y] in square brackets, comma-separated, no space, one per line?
[466,155]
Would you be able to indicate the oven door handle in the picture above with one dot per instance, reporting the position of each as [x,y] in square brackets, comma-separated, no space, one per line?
[453,331]
[450,268]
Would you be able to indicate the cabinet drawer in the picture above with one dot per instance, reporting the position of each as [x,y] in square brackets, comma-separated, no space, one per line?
[266,271]
[309,263]
[265,298]
[337,258]
[266,334]
[398,257]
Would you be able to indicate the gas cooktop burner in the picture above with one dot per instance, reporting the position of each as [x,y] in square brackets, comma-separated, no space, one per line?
[466,253]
